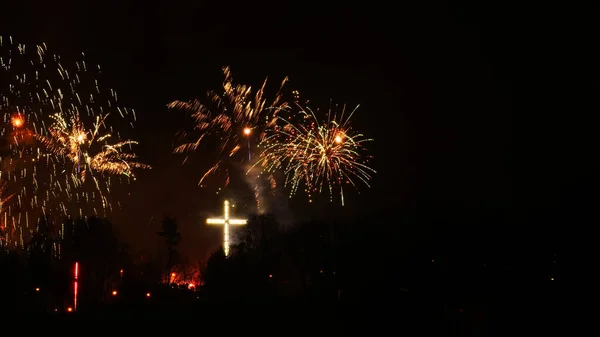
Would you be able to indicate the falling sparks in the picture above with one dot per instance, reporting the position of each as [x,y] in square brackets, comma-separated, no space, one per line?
[232,116]
[60,152]
[317,155]
[89,151]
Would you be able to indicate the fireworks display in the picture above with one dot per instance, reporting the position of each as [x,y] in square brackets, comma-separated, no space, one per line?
[61,152]
[71,140]
[231,117]
[316,155]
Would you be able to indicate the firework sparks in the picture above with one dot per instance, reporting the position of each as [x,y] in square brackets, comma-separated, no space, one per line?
[3,199]
[89,151]
[47,152]
[315,154]
[233,116]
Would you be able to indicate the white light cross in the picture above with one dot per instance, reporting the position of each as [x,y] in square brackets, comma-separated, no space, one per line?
[226,222]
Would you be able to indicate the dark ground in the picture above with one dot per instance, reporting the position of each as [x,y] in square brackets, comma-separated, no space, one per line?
[502,312]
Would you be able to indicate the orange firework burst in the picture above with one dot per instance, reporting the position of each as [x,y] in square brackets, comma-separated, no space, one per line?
[231,117]
[55,115]
[317,154]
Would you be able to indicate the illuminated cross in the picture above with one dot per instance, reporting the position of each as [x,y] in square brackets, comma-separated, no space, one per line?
[226,221]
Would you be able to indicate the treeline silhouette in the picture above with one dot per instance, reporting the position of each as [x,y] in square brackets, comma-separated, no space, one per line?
[360,266]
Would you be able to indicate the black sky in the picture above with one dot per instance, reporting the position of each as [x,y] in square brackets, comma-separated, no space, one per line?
[468,104]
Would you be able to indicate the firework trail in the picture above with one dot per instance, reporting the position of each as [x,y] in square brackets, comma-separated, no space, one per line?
[60,152]
[317,155]
[234,117]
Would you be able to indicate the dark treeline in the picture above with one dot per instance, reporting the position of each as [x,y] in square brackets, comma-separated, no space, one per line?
[363,266]
[40,275]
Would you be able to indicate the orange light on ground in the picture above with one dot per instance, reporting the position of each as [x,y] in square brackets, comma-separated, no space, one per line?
[69,309]
[148,295]
[247,131]
[114,293]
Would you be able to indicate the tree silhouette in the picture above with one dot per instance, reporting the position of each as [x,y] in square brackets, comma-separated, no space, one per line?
[40,249]
[171,235]
[96,248]
[258,235]
[215,273]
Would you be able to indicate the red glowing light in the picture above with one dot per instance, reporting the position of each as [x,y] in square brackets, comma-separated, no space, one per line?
[114,293]
[75,285]
[69,309]
[147,294]
[75,295]
[191,285]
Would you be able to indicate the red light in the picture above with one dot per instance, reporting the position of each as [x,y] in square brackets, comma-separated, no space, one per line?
[75,285]
[147,294]
[69,309]
[75,296]
[114,293]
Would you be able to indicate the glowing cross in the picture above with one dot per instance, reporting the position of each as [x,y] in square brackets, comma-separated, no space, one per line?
[226,221]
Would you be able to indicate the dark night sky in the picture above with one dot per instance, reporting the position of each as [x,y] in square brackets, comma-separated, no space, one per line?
[467,104]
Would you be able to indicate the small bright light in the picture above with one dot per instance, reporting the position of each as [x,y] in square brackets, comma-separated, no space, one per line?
[69,309]
[191,285]
[270,275]
[247,131]
[114,293]
[81,137]
[147,294]
[338,139]
[17,122]
[172,274]
[37,289]
[552,279]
